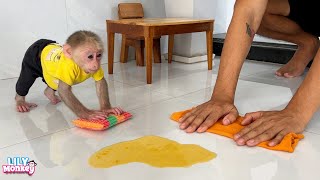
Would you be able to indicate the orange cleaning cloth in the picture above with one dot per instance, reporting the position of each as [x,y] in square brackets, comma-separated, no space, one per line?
[288,144]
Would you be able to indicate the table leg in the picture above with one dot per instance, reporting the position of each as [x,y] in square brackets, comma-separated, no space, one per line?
[209,48]
[156,51]
[110,52]
[170,48]
[124,50]
[149,45]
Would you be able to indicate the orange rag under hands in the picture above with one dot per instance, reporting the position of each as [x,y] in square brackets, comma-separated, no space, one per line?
[288,143]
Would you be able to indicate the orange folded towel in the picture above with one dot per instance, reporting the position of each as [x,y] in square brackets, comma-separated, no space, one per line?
[288,144]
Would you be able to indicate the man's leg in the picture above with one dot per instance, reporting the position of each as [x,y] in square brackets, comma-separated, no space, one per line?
[276,25]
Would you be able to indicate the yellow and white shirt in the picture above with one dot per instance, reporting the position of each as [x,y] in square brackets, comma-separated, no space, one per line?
[56,66]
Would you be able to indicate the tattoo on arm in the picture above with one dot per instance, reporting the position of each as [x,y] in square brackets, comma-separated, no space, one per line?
[103,94]
[250,32]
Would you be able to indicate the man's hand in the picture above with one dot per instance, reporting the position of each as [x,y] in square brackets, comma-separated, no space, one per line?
[205,115]
[269,125]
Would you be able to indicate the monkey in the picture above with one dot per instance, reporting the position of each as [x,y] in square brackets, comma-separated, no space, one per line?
[61,67]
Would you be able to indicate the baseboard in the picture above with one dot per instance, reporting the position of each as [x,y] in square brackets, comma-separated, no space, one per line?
[261,51]
[189,60]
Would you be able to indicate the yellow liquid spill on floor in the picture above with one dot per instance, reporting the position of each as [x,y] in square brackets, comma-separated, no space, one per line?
[153,150]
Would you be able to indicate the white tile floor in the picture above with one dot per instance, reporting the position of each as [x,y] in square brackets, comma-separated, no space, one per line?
[47,135]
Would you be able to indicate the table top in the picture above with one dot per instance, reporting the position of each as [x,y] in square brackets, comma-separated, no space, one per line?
[160,21]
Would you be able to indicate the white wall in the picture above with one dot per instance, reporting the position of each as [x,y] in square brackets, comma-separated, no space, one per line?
[229,12]
[215,9]
[23,22]
[178,9]
[191,45]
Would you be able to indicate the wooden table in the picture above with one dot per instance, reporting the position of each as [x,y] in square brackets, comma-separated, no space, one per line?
[150,28]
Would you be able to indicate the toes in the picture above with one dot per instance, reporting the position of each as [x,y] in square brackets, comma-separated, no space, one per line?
[58,99]
[55,100]
[279,72]
[288,75]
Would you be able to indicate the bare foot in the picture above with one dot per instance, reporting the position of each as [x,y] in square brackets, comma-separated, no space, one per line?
[22,105]
[50,93]
[304,54]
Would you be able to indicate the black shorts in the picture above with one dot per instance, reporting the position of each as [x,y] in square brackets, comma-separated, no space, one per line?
[305,14]
[31,66]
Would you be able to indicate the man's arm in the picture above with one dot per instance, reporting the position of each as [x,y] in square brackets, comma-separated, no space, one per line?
[103,94]
[266,125]
[245,22]
[306,100]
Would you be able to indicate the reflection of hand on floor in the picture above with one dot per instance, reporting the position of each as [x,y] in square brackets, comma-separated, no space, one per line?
[34,127]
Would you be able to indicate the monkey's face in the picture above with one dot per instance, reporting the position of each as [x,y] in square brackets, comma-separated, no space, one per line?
[31,163]
[88,57]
